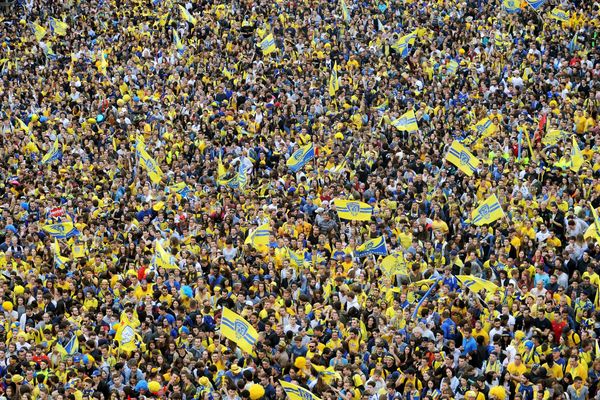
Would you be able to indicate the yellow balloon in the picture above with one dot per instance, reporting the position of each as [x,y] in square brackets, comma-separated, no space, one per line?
[256,391]
[154,387]
[158,206]
[126,98]
[7,306]
[19,290]
[91,120]
[120,102]
[34,118]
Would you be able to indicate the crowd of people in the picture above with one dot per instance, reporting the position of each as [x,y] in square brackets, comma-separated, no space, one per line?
[159,134]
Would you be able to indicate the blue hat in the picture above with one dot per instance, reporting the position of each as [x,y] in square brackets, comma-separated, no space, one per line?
[141,385]
[96,373]
[267,276]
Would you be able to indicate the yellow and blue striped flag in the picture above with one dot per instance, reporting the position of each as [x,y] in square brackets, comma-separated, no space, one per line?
[511,6]
[300,157]
[267,45]
[406,122]
[560,15]
[149,163]
[536,4]
[70,348]
[576,157]
[345,12]
[295,392]
[61,230]
[242,176]
[59,261]
[180,188]
[295,259]
[553,136]
[38,31]
[48,52]
[260,236]
[452,67]
[374,246]
[55,153]
[489,211]
[460,156]
[477,284]
[403,44]
[235,328]
[483,129]
[353,210]
[185,14]
[178,44]
[382,107]
[58,27]
[162,258]
[334,83]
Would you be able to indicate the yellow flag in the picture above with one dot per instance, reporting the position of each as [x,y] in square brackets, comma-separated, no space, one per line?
[483,129]
[162,258]
[334,83]
[576,157]
[235,328]
[267,45]
[39,31]
[353,210]
[460,156]
[185,14]
[295,392]
[489,211]
[154,171]
[260,236]
[394,264]
[406,122]
[477,284]
[126,337]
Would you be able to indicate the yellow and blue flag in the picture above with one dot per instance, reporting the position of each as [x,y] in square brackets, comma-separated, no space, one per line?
[180,188]
[511,6]
[242,176]
[71,348]
[560,15]
[452,67]
[267,45]
[300,157]
[353,210]
[178,44]
[55,153]
[477,284]
[296,260]
[483,129]
[553,136]
[295,392]
[345,12]
[460,156]
[127,337]
[185,14]
[235,328]
[375,246]
[382,107]
[576,156]
[594,229]
[38,31]
[48,52]
[489,211]
[403,45]
[407,122]
[334,83]
[61,230]
[260,236]
[394,264]
[162,258]
[536,4]
[59,261]
[58,27]
[102,63]
[149,163]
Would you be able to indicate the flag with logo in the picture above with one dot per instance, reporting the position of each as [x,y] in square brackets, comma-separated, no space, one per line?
[407,122]
[235,328]
[560,15]
[58,27]
[353,210]
[394,264]
[482,130]
[61,230]
[147,162]
[489,211]
[576,157]
[511,6]
[462,158]
[38,31]
[553,136]
[477,284]
[345,11]
[127,337]
[375,246]
[260,236]
[300,157]
[55,153]
[405,43]
[295,392]
[267,45]
[180,188]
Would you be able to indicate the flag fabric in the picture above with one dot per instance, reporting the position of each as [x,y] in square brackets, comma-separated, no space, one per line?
[185,14]
[178,44]
[61,230]
[425,297]
[259,236]
[406,122]
[162,258]
[59,261]
[489,211]
[462,158]
[560,15]
[102,63]
[334,83]
[345,11]
[72,346]
[58,27]
[593,231]
[536,4]
[126,337]
[295,392]
[267,45]
[375,246]
[382,107]
[394,264]
[38,31]
[180,188]
[55,153]
[483,129]
[452,67]
[553,136]
[235,328]
[48,52]
[147,162]
[572,46]
[576,157]
[242,176]
[300,157]
[511,6]
[295,259]
[476,284]
[353,210]
[403,45]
